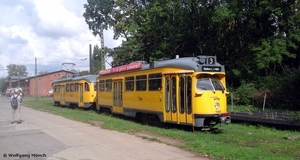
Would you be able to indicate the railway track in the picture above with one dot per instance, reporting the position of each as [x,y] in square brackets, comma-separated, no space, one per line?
[273,119]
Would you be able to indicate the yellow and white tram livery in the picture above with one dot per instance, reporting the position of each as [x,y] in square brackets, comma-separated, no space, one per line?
[186,91]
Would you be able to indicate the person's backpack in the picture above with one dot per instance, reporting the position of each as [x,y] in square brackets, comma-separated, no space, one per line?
[14,102]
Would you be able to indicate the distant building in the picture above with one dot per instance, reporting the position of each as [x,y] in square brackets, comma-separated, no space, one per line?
[43,87]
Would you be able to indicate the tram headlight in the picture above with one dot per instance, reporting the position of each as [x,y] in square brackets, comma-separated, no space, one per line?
[217,105]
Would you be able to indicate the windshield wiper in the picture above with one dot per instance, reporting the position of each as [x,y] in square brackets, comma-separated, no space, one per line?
[214,90]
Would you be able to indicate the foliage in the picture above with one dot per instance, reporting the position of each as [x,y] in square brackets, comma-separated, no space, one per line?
[289,91]
[16,70]
[86,72]
[42,72]
[3,85]
[98,15]
[99,61]
[245,93]
[255,40]
[281,90]
[96,60]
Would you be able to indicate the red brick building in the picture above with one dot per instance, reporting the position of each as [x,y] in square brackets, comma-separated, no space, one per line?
[39,85]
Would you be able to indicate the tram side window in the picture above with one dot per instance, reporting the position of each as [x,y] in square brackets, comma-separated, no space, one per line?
[173,94]
[86,87]
[96,86]
[189,94]
[76,87]
[101,85]
[56,88]
[129,83]
[108,84]
[68,88]
[181,97]
[141,82]
[71,87]
[167,94]
[154,83]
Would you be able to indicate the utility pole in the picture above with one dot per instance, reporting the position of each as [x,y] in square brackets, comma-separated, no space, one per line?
[102,54]
[36,82]
[18,72]
[36,90]
[102,47]
[91,59]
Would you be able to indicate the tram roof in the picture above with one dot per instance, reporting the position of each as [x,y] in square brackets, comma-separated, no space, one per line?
[198,64]
[89,78]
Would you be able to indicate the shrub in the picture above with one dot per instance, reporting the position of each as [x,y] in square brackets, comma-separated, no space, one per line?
[282,91]
[244,94]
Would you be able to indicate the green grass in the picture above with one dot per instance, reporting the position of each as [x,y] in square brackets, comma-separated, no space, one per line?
[233,141]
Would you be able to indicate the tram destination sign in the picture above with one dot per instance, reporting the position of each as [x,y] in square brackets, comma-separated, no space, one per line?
[123,68]
[211,69]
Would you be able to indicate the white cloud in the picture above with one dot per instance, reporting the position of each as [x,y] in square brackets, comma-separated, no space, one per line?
[53,31]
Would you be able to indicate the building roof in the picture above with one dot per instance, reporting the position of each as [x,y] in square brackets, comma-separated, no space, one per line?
[17,77]
[29,77]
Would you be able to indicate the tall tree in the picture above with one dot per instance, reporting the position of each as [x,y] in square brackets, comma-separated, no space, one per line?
[99,61]
[252,38]
[98,17]
[42,72]
[16,70]
[260,37]
[3,85]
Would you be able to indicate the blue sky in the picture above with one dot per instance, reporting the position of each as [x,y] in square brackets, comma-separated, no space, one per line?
[53,31]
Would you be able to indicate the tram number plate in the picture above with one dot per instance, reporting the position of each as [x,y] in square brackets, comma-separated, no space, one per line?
[211,68]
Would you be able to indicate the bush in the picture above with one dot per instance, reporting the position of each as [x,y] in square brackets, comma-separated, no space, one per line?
[282,91]
[245,93]
[288,95]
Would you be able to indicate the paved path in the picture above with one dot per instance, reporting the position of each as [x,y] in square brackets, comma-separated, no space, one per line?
[45,136]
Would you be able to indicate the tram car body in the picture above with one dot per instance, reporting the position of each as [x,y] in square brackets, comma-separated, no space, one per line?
[187,91]
[75,91]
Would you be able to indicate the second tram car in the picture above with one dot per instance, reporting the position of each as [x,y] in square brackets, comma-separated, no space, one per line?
[75,91]
[187,91]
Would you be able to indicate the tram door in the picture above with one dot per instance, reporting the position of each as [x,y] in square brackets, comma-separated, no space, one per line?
[80,92]
[171,98]
[185,99]
[117,96]
[62,94]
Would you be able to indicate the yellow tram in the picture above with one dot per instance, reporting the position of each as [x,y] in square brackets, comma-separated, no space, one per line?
[187,91]
[75,91]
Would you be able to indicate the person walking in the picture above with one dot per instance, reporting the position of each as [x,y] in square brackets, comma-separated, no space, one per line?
[16,100]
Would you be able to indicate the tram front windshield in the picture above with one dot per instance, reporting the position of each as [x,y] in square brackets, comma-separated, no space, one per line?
[209,82]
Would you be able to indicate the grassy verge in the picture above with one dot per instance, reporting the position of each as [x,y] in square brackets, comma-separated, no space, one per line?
[234,141]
